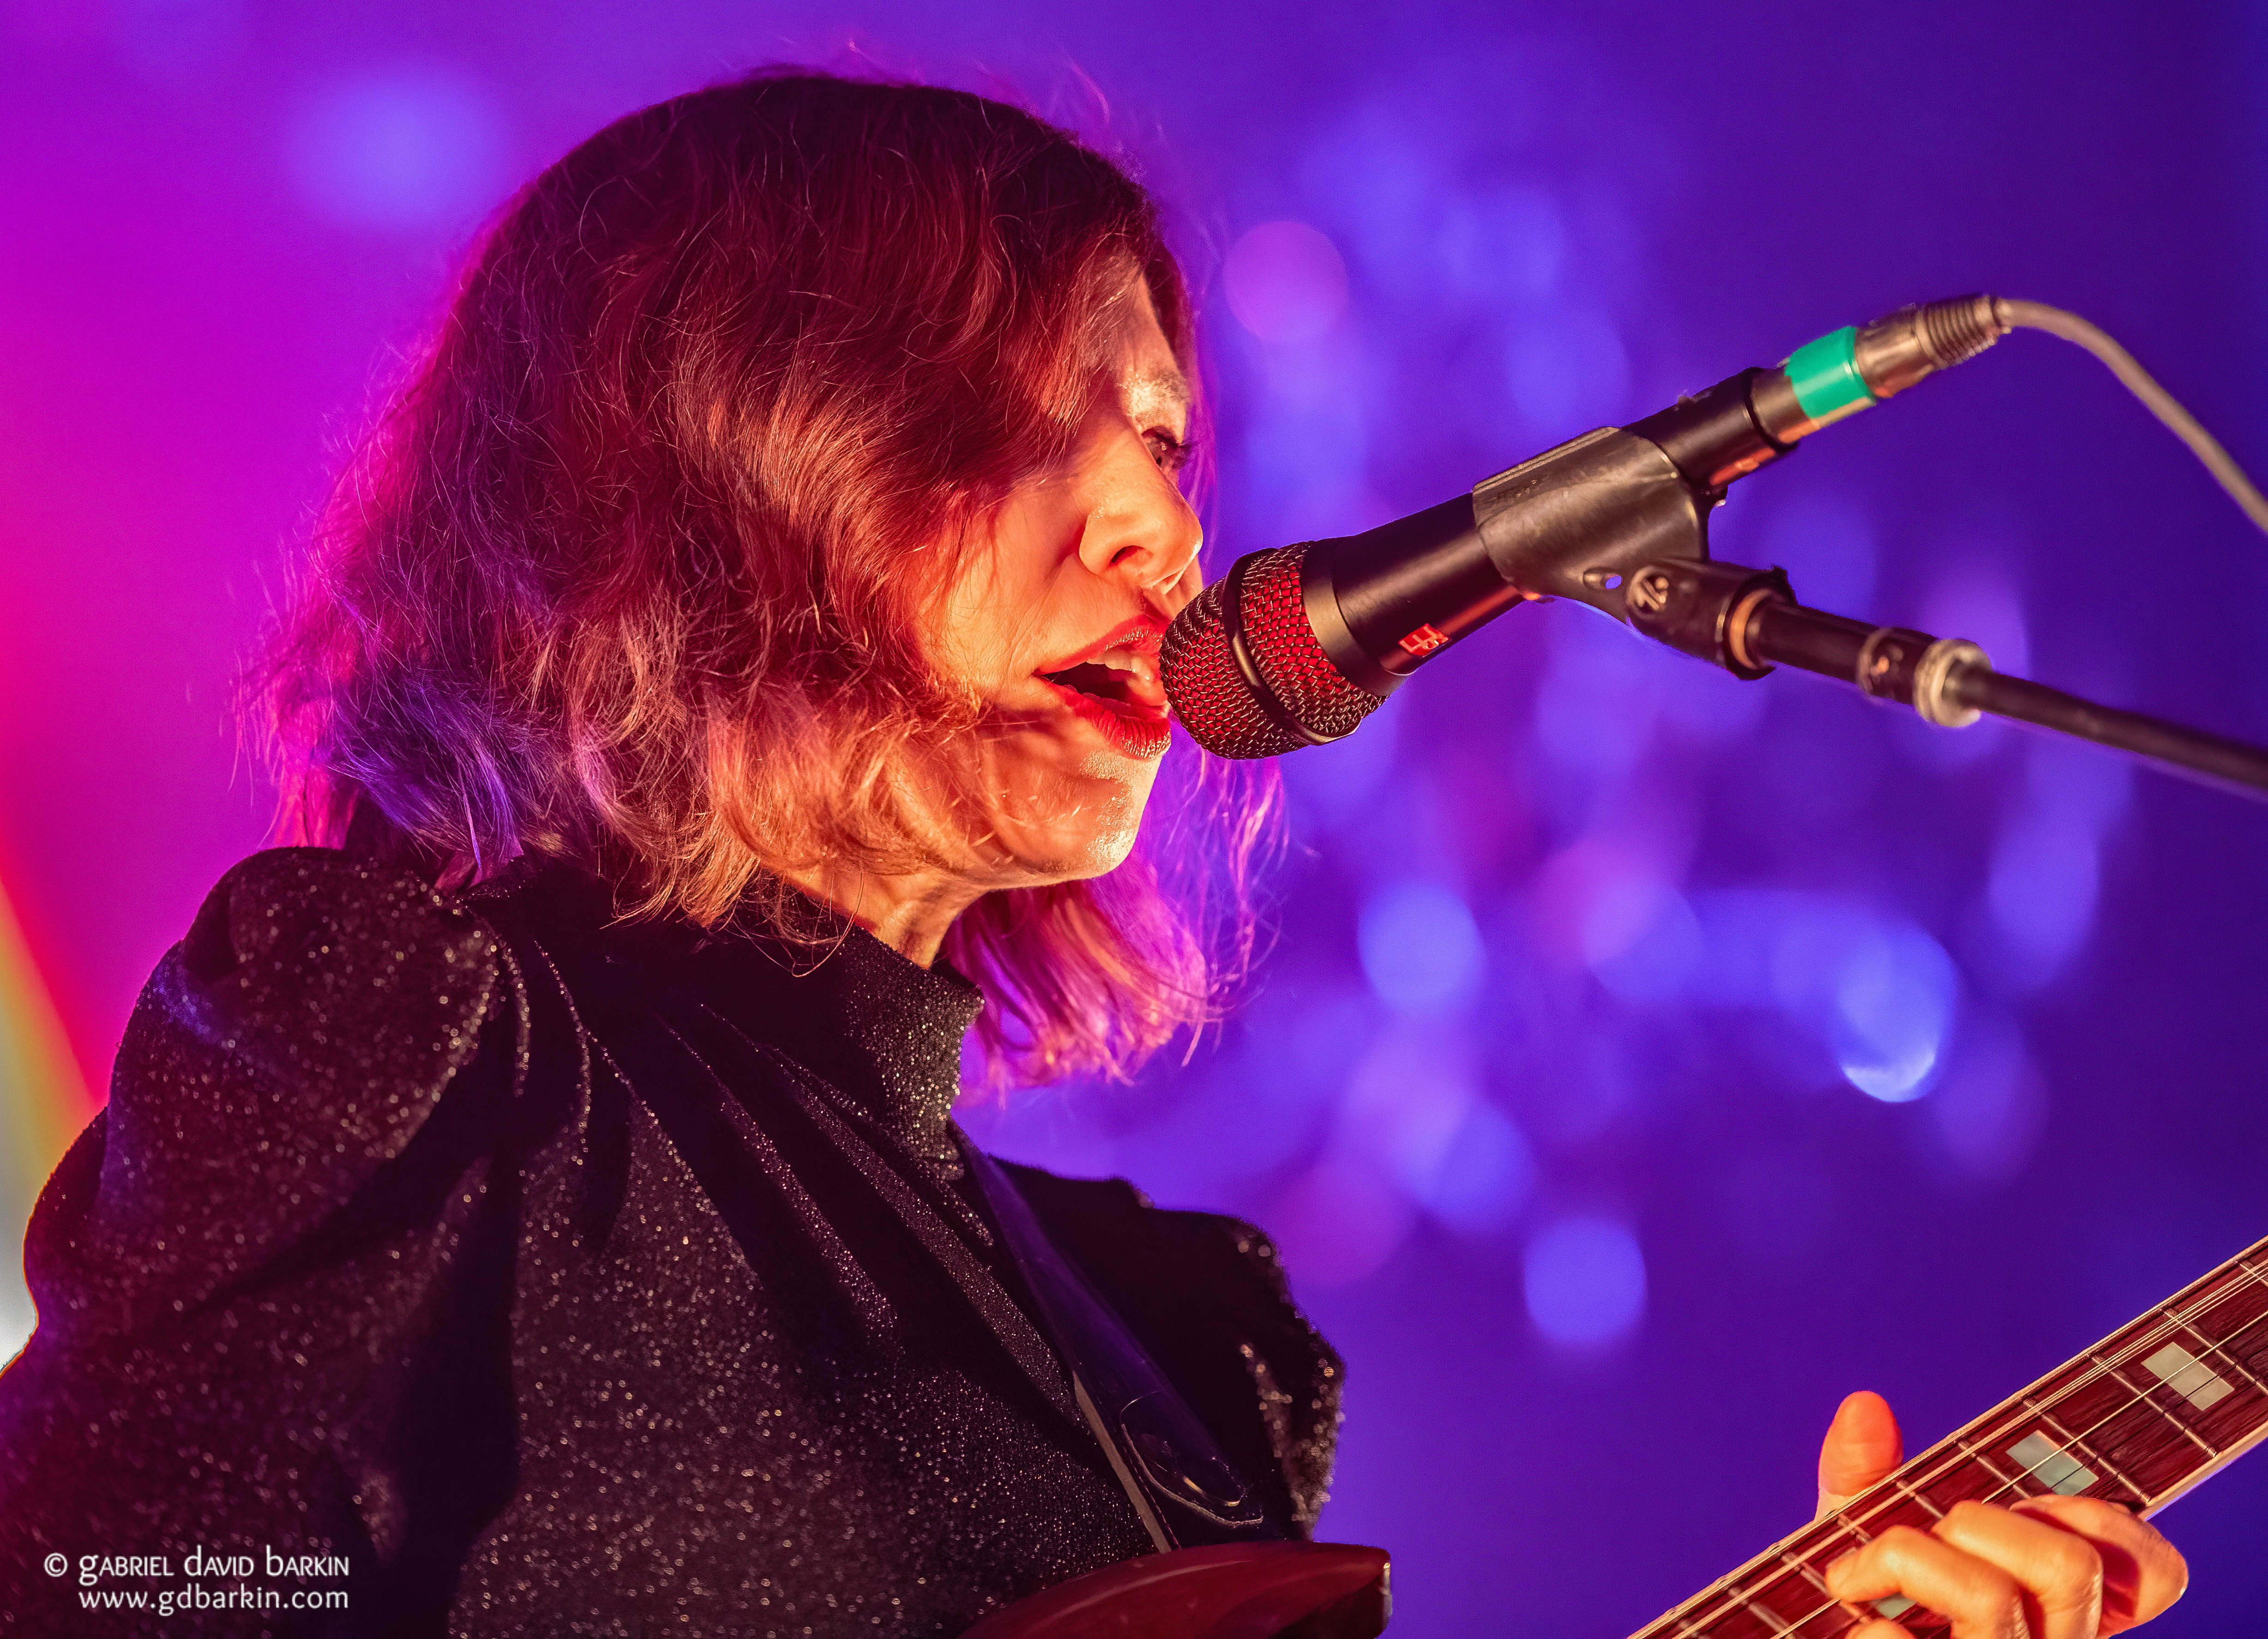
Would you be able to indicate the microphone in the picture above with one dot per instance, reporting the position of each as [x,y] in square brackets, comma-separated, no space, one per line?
[1296,645]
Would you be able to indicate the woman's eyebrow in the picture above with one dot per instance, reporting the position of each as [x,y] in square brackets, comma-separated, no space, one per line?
[1170,385]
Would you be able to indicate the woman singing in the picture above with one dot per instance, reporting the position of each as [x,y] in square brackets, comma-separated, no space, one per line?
[725,677]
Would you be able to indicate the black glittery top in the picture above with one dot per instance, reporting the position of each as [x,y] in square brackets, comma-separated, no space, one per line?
[567,1276]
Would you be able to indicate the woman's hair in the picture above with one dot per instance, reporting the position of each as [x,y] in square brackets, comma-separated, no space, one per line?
[632,570]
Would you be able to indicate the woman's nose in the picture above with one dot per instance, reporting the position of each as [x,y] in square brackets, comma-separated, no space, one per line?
[1142,532]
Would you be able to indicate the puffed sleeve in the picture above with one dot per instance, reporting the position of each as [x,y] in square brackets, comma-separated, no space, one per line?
[245,1265]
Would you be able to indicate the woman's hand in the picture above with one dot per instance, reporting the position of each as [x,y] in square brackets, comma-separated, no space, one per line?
[2046,1568]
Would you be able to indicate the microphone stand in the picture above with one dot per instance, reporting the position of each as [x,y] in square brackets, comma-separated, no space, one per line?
[1748,621]
[1619,518]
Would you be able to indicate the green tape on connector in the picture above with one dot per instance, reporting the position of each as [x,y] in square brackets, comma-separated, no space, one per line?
[1825,376]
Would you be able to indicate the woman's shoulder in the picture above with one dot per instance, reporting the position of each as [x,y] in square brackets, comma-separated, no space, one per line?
[297,942]
[291,1043]
[347,990]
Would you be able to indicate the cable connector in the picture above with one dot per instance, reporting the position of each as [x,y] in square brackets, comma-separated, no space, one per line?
[1893,353]
[1858,367]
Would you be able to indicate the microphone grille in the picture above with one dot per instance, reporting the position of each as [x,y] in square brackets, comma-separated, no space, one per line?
[1210,694]
[1284,646]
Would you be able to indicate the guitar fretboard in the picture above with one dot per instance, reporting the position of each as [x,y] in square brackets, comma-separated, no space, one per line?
[2138,1420]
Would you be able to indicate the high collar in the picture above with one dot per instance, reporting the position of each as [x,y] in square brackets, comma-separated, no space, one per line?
[886,1033]
[883,1031]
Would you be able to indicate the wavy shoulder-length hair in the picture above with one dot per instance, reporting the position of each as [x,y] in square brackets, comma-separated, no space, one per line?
[633,567]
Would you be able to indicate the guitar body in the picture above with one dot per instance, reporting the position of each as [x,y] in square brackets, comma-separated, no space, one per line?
[1245,1591]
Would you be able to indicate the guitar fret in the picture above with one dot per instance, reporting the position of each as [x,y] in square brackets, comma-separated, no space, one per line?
[2164,1472]
[1833,1606]
[2183,1355]
[1989,1465]
[1755,1594]
[1931,1508]
[2256,1282]
[1806,1572]
[1758,1598]
[1771,1617]
[2143,1397]
[2187,1318]
[2072,1442]
[2146,1331]
[2211,1348]
[1900,1486]
[2258,1279]
[1841,1517]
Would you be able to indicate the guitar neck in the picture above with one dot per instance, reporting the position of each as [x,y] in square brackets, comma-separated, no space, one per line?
[2138,1420]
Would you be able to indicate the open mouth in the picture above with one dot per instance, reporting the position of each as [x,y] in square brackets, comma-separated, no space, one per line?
[1102,682]
[1114,686]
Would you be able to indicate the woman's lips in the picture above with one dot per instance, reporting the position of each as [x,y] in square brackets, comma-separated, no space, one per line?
[1136,731]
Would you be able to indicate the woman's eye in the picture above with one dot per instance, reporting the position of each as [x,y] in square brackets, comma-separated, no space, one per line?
[1169,452]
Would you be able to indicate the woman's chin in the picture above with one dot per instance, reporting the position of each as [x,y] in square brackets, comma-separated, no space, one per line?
[1066,850]
[1072,830]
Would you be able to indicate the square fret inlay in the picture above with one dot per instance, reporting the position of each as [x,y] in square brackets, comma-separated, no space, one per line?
[2051,1466]
[2189,1376]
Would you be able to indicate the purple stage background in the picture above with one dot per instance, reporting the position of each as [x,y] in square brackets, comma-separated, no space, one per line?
[1646,1059]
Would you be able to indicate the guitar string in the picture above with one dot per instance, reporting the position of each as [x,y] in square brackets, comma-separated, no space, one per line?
[2163,1325]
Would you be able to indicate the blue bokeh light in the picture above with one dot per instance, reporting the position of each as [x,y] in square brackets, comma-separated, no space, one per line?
[1642,940]
[1584,1280]
[1420,948]
[1507,243]
[1894,990]
[1878,989]
[1485,1176]
[177,308]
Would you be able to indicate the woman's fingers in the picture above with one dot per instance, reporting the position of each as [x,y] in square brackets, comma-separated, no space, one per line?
[1983,1600]
[1862,1446]
[1998,1574]
[2142,1572]
[2059,1571]
[2048,1567]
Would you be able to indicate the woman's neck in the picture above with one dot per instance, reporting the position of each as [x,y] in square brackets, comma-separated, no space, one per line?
[910,912]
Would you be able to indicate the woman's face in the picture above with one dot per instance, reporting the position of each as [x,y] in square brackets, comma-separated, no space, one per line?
[1057,621]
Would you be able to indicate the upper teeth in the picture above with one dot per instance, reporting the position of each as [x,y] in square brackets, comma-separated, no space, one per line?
[1118,660]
